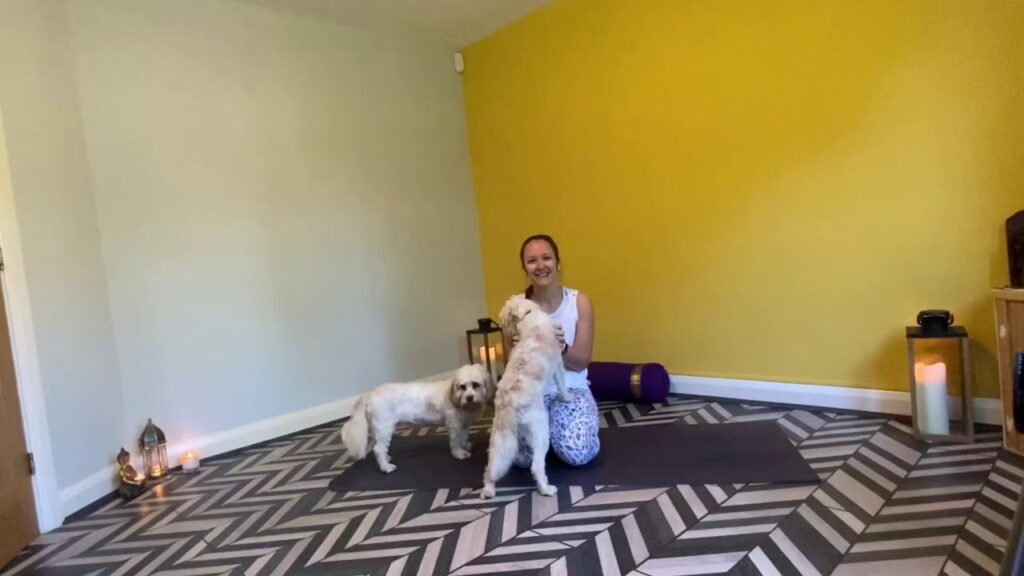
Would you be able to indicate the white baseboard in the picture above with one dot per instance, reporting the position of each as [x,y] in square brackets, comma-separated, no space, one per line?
[986,410]
[103,482]
[87,491]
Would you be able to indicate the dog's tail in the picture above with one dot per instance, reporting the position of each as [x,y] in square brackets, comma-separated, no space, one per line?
[355,433]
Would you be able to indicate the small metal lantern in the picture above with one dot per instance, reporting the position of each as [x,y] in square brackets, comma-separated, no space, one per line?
[939,365]
[484,345]
[153,444]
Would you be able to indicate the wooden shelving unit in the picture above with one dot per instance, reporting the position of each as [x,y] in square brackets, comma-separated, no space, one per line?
[1010,334]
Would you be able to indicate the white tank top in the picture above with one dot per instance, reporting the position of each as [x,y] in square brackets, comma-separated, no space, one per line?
[566,316]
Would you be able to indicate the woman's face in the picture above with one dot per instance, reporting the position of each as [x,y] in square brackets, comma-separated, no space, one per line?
[540,264]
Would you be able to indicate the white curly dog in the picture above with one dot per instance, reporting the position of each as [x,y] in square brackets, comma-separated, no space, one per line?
[519,410]
[456,403]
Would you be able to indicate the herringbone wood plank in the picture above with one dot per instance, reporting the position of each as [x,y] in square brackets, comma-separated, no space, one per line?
[887,504]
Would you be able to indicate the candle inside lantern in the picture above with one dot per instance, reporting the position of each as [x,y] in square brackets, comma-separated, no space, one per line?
[491,352]
[932,406]
[189,461]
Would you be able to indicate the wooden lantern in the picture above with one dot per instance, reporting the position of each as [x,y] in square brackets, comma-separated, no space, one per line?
[939,366]
[484,346]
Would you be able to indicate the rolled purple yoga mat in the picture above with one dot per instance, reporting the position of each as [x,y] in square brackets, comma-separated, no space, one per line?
[628,382]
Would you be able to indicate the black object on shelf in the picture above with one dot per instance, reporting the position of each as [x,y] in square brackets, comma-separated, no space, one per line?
[1018,393]
[1015,248]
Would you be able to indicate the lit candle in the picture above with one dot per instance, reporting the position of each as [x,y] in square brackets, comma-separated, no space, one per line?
[189,461]
[489,353]
[932,406]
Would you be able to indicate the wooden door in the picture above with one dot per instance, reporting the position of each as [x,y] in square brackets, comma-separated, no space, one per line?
[18,526]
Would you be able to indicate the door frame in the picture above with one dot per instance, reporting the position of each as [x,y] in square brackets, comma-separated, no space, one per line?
[26,359]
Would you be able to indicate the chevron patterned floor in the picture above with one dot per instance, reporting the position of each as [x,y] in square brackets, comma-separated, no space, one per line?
[888,504]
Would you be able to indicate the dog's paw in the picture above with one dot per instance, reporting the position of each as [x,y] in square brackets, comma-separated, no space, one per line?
[487,493]
[388,468]
[565,398]
[461,454]
[547,490]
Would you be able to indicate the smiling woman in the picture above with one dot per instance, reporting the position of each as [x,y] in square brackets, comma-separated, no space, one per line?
[574,424]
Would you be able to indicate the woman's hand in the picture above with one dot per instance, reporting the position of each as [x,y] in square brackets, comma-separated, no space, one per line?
[560,334]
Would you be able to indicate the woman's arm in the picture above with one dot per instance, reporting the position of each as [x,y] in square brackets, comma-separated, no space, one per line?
[578,355]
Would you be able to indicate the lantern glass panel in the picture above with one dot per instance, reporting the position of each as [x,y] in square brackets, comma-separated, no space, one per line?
[151,457]
[162,458]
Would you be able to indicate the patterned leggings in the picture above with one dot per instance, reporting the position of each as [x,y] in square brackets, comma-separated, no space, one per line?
[574,429]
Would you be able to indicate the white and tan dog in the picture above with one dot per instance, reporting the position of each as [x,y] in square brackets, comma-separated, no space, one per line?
[456,403]
[519,410]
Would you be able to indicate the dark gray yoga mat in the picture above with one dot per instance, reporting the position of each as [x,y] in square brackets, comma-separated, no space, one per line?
[657,455]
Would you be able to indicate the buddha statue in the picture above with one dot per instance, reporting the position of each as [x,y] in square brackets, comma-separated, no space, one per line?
[132,483]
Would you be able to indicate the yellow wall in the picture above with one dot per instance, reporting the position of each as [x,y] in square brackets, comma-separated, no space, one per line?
[757,190]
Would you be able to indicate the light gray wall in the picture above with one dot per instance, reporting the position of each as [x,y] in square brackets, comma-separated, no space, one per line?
[60,242]
[229,213]
[285,207]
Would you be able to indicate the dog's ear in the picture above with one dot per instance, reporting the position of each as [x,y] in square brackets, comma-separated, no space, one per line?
[511,331]
[510,312]
[490,387]
[453,391]
[524,307]
[505,316]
